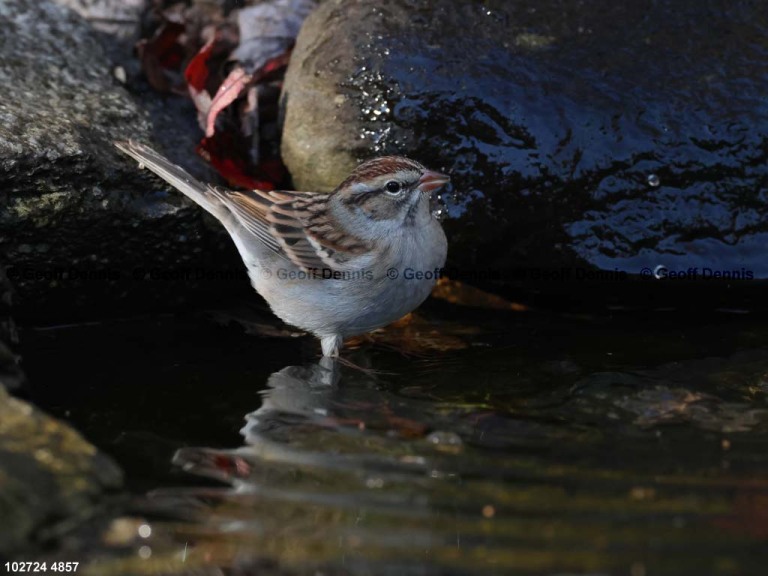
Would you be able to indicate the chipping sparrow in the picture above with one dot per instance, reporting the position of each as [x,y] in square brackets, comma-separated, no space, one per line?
[331,264]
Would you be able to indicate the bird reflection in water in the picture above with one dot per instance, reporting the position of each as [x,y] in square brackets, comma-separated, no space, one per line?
[333,465]
[311,416]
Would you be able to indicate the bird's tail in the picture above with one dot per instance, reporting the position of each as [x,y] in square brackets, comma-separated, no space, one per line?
[176,176]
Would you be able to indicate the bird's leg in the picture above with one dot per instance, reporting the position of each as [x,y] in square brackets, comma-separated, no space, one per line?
[331,345]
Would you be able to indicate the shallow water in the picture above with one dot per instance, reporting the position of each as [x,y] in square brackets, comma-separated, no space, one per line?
[485,442]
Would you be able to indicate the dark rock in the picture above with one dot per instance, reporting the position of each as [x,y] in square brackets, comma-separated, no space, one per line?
[80,227]
[590,135]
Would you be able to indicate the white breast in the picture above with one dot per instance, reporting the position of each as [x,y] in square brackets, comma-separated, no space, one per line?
[372,299]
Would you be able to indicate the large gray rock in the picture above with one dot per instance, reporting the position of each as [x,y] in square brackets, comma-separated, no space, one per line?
[593,135]
[80,226]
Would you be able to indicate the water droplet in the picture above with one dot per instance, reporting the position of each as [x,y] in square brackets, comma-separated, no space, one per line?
[653,180]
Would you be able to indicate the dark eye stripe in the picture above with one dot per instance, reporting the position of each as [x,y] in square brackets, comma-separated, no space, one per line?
[359,198]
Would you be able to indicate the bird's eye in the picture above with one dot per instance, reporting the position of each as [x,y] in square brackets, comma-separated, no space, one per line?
[393,187]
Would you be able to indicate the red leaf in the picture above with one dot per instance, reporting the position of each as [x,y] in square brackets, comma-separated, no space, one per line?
[222,154]
[196,73]
[165,45]
[230,89]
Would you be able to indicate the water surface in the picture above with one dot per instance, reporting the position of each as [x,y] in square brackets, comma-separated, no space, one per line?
[485,442]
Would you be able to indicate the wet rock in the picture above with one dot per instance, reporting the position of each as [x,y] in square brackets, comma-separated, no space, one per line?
[48,474]
[725,395]
[595,136]
[80,227]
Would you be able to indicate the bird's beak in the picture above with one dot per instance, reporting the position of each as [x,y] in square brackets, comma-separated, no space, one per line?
[431,181]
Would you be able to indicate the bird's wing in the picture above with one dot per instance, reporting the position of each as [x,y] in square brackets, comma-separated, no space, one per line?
[298,224]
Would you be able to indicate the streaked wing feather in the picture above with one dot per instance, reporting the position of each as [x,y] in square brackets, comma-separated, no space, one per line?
[283,221]
[249,214]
